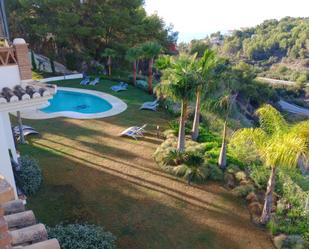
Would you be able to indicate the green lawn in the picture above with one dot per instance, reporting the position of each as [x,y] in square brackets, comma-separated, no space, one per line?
[93,175]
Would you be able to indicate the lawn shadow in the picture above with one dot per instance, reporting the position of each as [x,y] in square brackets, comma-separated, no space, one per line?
[138,220]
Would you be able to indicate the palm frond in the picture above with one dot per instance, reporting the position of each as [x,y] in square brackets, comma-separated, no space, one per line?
[271,120]
[284,150]
[250,136]
[302,129]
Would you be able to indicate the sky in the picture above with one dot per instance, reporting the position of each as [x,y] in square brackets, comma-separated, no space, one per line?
[195,19]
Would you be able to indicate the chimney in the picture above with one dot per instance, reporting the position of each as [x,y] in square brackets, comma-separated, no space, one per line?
[24,64]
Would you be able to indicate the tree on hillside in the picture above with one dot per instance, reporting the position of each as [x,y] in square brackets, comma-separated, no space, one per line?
[203,70]
[110,54]
[132,55]
[85,30]
[199,47]
[178,83]
[278,145]
[150,51]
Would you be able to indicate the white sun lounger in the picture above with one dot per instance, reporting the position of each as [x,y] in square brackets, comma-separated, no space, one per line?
[85,81]
[120,87]
[134,131]
[16,128]
[95,81]
[27,132]
[150,105]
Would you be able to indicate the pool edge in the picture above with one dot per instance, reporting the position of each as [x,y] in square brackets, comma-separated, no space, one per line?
[118,106]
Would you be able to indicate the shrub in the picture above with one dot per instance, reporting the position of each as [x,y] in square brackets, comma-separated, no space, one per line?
[174,157]
[174,126]
[232,169]
[292,214]
[260,175]
[215,173]
[240,176]
[29,177]
[207,136]
[243,190]
[79,236]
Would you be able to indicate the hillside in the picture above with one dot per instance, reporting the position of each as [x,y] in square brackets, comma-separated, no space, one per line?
[277,48]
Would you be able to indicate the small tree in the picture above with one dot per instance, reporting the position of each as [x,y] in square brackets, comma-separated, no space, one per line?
[110,54]
[150,50]
[133,54]
[278,145]
[178,83]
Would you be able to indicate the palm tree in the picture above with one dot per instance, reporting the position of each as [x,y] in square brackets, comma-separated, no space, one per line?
[133,54]
[278,145]
[225,104]
[110,54]
[178,83]
[206,65]
[222,106]
[150,51]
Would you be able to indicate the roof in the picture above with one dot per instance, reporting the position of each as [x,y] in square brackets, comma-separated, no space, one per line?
[26,95]
[18,227]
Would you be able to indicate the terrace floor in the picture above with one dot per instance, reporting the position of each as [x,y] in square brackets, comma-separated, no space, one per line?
[92,175]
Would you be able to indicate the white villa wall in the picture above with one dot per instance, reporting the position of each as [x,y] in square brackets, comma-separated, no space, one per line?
[5,161]
[65,77]
[9,76]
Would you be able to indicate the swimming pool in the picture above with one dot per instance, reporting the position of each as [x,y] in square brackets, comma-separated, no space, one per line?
[77,102]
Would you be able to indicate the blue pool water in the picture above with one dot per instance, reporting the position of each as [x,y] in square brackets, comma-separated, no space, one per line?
[77,102]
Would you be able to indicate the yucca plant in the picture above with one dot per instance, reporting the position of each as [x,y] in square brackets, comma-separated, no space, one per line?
[278,145]
[175,157]
[192,169]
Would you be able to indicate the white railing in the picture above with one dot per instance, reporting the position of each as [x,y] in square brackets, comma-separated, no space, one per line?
[65,77]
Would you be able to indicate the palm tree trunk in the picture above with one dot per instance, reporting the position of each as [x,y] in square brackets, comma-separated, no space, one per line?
[134,73]
[266,214]
[150,76]
[182,123]
[222,156]
[197,114]
[109,65]
[20,127]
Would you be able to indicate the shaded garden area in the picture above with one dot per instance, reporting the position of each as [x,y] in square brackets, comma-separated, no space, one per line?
[92,175]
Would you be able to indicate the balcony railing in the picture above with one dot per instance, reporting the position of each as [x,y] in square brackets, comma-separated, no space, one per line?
[7,56]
